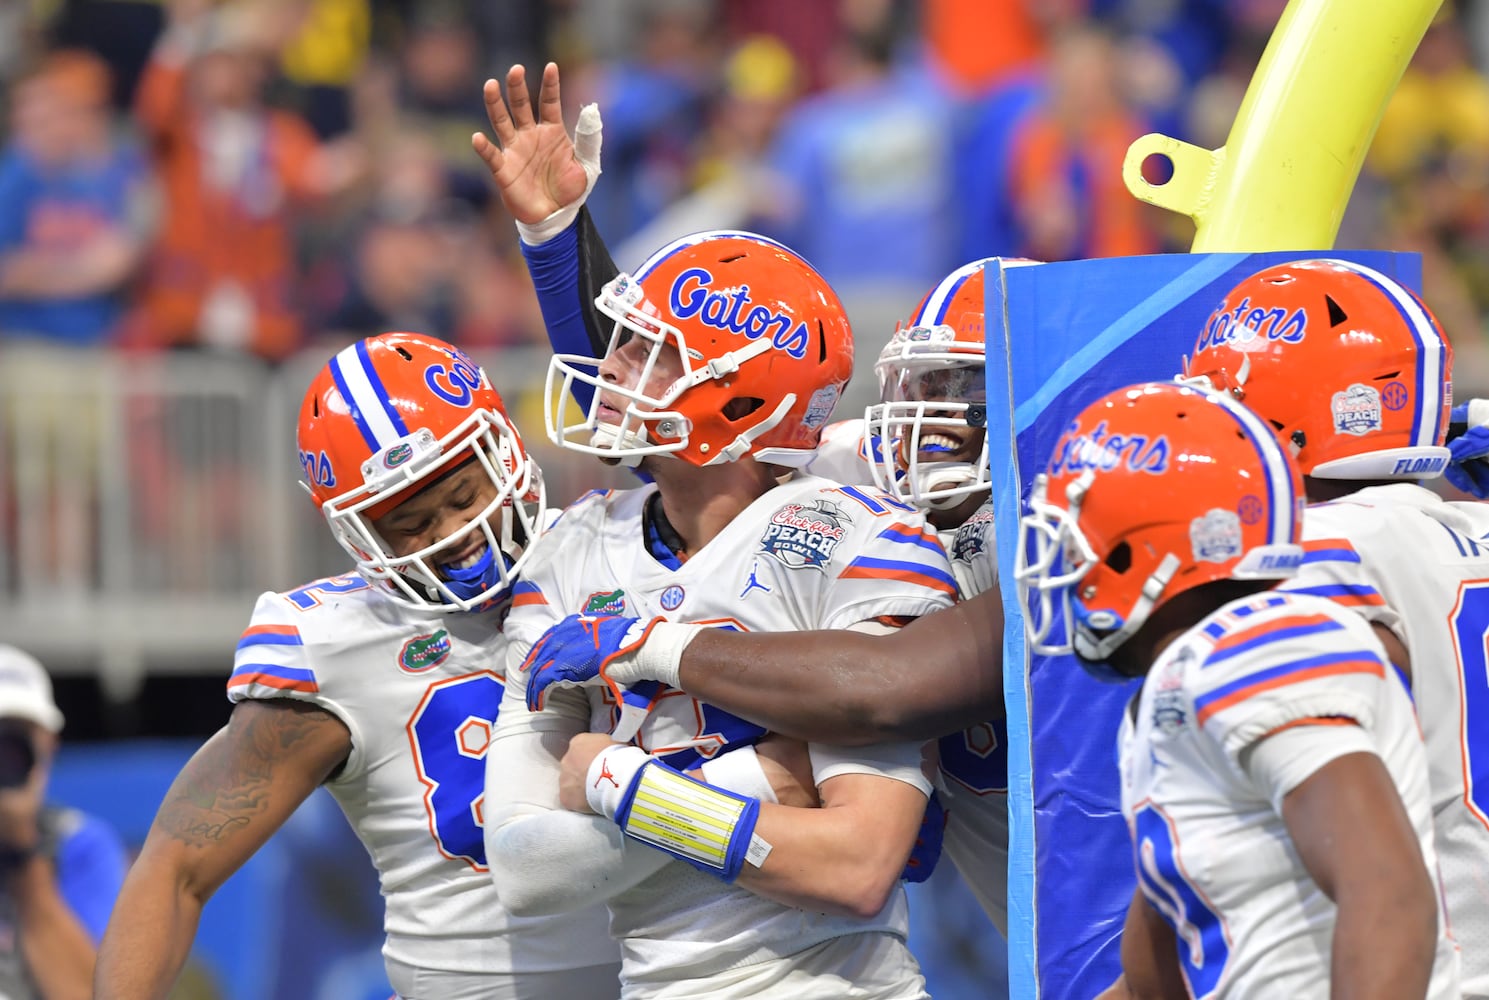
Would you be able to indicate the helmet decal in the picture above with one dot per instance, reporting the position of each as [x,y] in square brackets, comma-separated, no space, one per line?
[732,311]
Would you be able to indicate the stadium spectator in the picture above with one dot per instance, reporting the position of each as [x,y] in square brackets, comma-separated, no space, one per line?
[656,98]
[865,168]
[732,183]
[323,58]
[74,224]
[1065,160]
[73,207]
[60,869]
[222,275]
[439,83]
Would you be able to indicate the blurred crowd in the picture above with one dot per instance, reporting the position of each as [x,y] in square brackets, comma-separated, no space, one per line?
[260,176]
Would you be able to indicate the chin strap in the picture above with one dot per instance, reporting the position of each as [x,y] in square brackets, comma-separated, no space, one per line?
[1088,647]
[743,444]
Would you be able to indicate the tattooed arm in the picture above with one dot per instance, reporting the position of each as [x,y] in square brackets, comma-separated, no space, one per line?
[227,801]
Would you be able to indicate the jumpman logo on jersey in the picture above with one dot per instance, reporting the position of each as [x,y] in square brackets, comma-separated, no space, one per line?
[605,775]
[754,582]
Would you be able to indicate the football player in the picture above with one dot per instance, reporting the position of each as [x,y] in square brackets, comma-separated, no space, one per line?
[933,410]
[1274,779]
[727,355]
[1351,370]
[383,685]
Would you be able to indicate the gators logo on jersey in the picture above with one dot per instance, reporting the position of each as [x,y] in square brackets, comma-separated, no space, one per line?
[606,602]
[423,652]
[799,535]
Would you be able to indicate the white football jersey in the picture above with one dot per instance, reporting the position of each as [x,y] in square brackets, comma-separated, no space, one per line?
[974,762]
[805,555]
[842,455]
[420,693]
[1214,856]
[1403,556]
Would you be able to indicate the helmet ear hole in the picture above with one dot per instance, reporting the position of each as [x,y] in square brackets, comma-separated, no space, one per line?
[1119,559]
[742,406]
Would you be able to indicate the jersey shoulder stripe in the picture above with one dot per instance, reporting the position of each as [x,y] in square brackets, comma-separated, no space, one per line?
[270,635]
[273,675]
[905,534]
[1247,639]
[1334,663]
[930,577]
[525,593]
[1329,550]
[1350,595]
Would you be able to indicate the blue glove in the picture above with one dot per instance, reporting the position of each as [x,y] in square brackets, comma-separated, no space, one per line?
[1468,442]
[576,650]
[927,849]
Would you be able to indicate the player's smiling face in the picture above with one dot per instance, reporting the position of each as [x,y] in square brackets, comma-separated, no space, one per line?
[438,512]
[641,366]
[946,435]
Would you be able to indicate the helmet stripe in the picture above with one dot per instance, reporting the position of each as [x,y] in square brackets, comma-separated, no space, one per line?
[1431,356]
[1280,496]
[682,243]
[351,378]
[940,300]
[382,394]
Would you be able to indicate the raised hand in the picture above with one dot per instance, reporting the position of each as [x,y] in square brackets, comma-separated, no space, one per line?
[538,169]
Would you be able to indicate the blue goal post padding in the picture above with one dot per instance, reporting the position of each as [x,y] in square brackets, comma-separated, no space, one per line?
[1059,336]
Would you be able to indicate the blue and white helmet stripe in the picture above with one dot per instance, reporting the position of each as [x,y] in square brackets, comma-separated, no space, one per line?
[682,243]
[1431,354]
[939,301]
[1280,496]
[356,379]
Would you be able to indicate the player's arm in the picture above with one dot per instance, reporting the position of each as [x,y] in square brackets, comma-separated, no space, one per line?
[543,858]
[1150,957]
[798,854]
[543,177]
[938,674]
[233,794]
[1354,837]
[847,856]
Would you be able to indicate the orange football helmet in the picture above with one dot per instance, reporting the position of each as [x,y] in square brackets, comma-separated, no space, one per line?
[386,418]
[1152,490]
[765,353]
[1347,365]
[933,396]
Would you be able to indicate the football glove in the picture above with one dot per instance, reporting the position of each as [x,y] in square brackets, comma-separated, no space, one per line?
[1468,442]
[576,650]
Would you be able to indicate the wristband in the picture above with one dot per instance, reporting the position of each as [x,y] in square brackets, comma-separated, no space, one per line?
[711,829]
[610,774]
[659,658]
